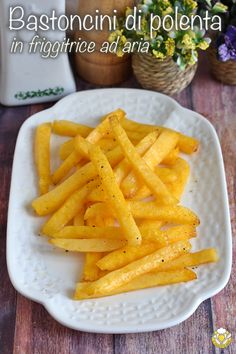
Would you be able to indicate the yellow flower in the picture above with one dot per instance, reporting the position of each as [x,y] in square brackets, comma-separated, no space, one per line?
[167,11]
[192,61]
[191,3]
[220,7]
[146,37]
[128,11]
[187,42]
[169,25]
[114,35]
[191,34]
[191,57]
[122,40]
[170,46]
[166,2]
[158,55]
[143,24]
[203,45]
[118,35]
[120,52]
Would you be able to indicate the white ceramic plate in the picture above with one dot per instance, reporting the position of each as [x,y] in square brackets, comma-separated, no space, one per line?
[48,275]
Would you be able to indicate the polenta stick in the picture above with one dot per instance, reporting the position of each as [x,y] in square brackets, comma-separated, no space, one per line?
[68,210]
[74,158]
[91,271]
[116,198]
[71,232]
[149,233]
[103,129]
[66,149]
[167,175]
[208,255]
[152,181]
[165,143]
[68,128]
[151,223]
[82,146]
[182,170]
[171,158]
[125,255]
[79,218]
[97,195]
[170,235]
[51,201]
[71,161]
[42,156]
[124,275]
[186,143]
[153,239]
[99,221]
[88,245]
[173,214]
[48,203]
[144,281]
[149,210]
[107,144]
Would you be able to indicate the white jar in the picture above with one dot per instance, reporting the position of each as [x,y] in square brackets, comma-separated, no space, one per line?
[25,77]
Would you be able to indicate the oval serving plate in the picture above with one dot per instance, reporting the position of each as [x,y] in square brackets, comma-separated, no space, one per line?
[48,275]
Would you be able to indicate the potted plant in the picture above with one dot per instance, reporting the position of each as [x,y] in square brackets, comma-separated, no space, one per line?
[222,52]
[171,61]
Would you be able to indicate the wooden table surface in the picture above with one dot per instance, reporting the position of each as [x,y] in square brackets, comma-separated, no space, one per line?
[26,327]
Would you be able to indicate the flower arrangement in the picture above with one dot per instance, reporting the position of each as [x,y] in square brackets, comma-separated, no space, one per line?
[225,40]
[227,44]
[222,52]
[180,45]
[212,6]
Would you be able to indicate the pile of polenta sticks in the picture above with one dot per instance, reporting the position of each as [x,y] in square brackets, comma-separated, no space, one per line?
[115,197]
